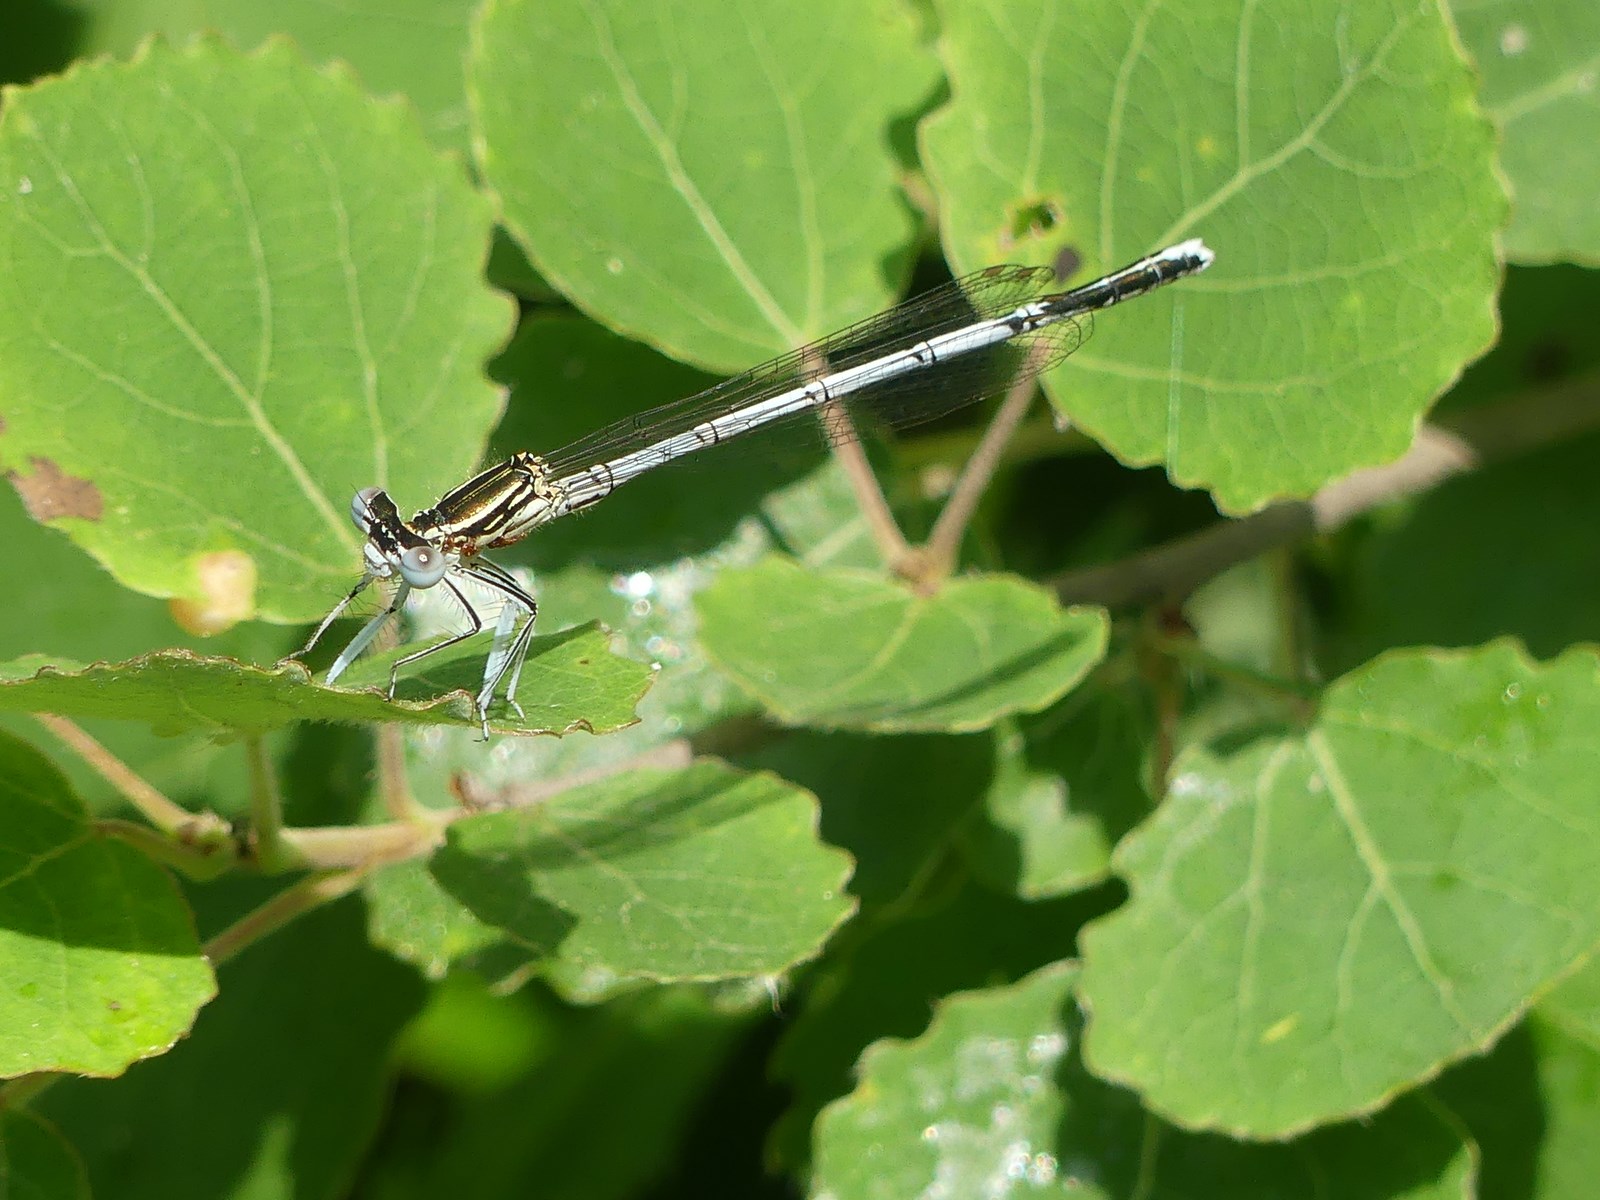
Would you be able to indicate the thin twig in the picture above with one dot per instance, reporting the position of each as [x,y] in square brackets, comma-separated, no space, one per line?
[944,542]
[288,904]
[1457,443]
[15,1093]
[164,814]
[330,847]
[874,505]
[266,804]
[394,785]
[848,452]
[203,861]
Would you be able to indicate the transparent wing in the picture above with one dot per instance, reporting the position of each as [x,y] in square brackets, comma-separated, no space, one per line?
[921,395]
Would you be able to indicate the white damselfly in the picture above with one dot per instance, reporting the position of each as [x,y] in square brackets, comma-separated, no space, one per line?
[914,362]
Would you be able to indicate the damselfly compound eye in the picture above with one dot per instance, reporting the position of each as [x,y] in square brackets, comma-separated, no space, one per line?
[361,507]
[423,566]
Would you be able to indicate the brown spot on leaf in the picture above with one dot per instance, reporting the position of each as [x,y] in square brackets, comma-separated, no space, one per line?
[1067,263]
[226,594]
[50,493]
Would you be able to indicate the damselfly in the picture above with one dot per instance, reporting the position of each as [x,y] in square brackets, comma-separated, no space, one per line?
[919,360]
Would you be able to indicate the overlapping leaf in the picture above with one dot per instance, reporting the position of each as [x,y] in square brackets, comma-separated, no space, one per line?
[1336,165]
[279,1087]
[232,291]
[570,681]
[411,46]
[704,873]
[97,949]
[887,982]
[1540,67]
[1319,921]
[1068,785]
[1532,1104]
[992,1100]
[851,649]
[736,195]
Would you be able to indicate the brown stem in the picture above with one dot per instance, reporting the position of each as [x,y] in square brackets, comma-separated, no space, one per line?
[360,847]
[852,459]
[944,542]
[394,785]
[190,828]
[288,904]
[1456,443]
[266,804]
[205,860]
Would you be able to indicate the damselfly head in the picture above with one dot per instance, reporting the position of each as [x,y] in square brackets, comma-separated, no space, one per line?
[392,545]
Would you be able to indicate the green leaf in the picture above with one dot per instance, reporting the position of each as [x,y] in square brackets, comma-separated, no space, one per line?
[97,949]
[737,195]
[412,917]
[232,290]
[1569,1093]
[1346,183]
[37,1161]
[571,681]
[414,47]
[895,803]
[992,1101]
[1565,1034]
[887,981]
[1497,1099]
[851,649]
[1069,784]
[1539,66]
[699,874]
[277,1092]
[66,605]
[1335,915]
[968,1109]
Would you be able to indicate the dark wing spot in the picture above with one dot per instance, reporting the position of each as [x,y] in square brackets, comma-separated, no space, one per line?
[50,494]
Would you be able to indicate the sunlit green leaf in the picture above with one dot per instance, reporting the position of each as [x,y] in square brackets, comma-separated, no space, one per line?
[705,873]
[1337,914]
[571,681]
[888,981]
[414,47]
[1541,84]
[97,949]
[992,1100]
[277,1091]
[232,291]
[760,208]
[851,649]
[1336,165]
